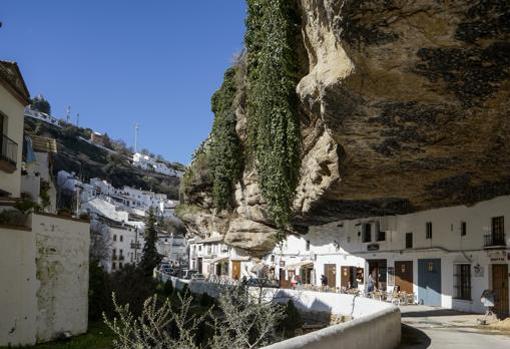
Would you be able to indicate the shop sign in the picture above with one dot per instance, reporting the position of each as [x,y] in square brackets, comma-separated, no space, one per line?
[373,247]
[497,256]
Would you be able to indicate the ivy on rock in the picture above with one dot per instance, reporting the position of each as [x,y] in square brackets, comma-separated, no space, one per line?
[225,156]
[273,122]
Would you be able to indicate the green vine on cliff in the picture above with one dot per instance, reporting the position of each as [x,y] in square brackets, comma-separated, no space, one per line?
[225,157]
[273,123]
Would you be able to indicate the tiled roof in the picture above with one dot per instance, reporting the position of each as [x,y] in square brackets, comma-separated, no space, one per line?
[12,80]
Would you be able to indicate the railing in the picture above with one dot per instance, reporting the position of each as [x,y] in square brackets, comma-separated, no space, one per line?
[494,239]
[135,245]
[8,150]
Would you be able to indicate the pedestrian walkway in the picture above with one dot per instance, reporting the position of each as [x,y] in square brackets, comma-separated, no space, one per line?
[427,327]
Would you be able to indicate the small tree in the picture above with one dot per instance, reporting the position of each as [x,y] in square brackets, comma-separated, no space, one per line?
[150,257]
[41,104]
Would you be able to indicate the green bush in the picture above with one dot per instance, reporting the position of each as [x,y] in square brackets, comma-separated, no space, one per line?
[292,320]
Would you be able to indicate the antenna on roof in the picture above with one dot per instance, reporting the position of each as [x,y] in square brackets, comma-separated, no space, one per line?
[137,127]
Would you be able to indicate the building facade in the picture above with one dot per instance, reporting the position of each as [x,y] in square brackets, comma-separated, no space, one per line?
[13,99]
[443,257]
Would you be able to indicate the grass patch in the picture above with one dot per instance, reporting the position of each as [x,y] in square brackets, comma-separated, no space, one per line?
[99,336]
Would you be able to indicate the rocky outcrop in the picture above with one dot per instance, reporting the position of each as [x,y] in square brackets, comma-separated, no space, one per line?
[405,107]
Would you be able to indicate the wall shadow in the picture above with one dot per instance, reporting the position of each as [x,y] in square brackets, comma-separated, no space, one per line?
[413,338]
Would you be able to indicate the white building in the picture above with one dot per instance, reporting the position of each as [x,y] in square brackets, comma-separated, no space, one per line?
[147,163]
[211,256]
[174,247]
[36,177]
[35,114]
[444,257]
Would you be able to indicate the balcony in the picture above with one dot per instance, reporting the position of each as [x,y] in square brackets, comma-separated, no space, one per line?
[494,240]
[8,154]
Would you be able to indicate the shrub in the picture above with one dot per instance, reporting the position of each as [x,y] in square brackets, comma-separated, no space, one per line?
[292,320]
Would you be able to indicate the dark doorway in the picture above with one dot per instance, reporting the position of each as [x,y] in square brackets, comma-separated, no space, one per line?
[330,272]
[379,268]
[404,276]
[199,265]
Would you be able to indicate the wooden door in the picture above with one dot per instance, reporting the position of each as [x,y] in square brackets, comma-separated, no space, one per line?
[500,288]
[404,276]
[330,272]
[345,277]
[236,270]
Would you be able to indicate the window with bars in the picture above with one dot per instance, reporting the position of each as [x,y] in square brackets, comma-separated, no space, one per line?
[409,240]
[463,228]
[367,232]
[462,281]
[428,228]
[498,228]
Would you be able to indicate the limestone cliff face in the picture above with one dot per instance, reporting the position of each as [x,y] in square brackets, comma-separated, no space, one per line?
[405,106]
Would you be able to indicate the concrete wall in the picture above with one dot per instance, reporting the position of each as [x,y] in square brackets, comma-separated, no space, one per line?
[43,280]
[62,270]
[13,110]
[18,287]
[376,325]
[380,330]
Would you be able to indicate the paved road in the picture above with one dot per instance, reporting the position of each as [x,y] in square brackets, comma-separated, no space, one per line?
[427,327]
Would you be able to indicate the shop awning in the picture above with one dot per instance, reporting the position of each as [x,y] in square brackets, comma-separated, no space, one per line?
[299,265]
[218,259]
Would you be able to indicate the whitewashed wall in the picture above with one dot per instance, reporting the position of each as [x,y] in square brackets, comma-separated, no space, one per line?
[18,287]
[43,280]
[62,270]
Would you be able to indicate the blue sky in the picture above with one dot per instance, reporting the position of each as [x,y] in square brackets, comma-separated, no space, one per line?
[116,62]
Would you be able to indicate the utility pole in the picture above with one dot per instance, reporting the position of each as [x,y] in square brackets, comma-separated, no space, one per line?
[137,127]
[78,120]
[68,114]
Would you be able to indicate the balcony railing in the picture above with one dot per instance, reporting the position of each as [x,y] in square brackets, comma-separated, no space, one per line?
[494,240]
[8,153]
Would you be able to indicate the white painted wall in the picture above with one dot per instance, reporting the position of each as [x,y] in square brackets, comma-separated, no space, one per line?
[18,286]
[62,270]
[44,280]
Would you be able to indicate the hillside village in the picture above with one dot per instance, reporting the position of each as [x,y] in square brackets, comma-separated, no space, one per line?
[338,211]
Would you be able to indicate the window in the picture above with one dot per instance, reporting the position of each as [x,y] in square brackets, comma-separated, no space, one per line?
[308,245]
[121,238]
[498,226]
[114,237]
[113,266]
[120,265]
[381,236]
[462,281]
[409,240]
[428,228]
[463,229]
[367,232]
